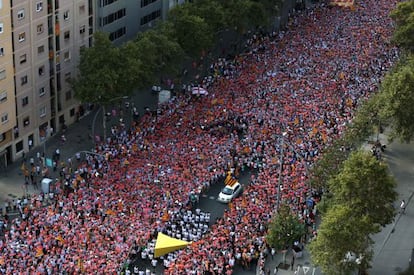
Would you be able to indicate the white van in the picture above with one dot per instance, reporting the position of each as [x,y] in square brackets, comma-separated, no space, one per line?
[230,192]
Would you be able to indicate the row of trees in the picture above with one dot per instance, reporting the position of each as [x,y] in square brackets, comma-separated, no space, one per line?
[359,192]
[395,100]
[360,203]
[107,72]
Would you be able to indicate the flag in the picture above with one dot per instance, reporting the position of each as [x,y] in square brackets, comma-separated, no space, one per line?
[39,251]
[60,239]
[110,212]
[296,121]
[230,180]
[342,3]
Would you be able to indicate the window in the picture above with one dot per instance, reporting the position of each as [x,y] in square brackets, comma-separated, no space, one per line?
[103,3]
[19,146]
[68,95]
[82,29]
[42,70]
[42,112]
[112,17]
[66,56]
[25,101]
[72,112]
[66,35]
[150,17]
[117,34]
[4,118]
[42,91]
[39,6]
[1,51]
[67,77]
[146,2]
[66,15]
[81,9]
[26,121]
[20,14]
[23,58]
[22,36]
[40,28]
[3,96]
[1,27]
[2,74]
[40,49]
[3,135]
[23,80]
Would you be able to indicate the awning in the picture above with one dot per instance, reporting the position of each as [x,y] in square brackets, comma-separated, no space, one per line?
[166,244]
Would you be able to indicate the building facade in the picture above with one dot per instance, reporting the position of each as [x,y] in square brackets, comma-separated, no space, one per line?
[7,98]
[40,44]
[124,19]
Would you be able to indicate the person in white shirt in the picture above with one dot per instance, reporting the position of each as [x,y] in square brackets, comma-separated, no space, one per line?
[402,207]
[144,254]
[154,263]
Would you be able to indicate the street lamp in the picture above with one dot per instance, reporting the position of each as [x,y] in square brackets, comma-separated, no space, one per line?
[279,184]
[103,108]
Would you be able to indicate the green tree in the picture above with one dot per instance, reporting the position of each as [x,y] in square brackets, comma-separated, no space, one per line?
[342,231]
[284,229]
[329,164]
[360,202]
[245,14]
[192,32]
[104,73]
[397,97]
[403,15]
[158,52]
[365,185]
[212,12]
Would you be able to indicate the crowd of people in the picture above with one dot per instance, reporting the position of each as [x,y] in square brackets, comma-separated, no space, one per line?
[297,89]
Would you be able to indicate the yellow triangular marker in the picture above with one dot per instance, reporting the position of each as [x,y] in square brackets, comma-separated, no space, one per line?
[166,244]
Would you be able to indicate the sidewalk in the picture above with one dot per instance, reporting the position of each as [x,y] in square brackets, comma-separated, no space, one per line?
[393,245]
[301,266]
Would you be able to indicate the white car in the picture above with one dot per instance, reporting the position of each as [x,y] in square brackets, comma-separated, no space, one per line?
[230,192]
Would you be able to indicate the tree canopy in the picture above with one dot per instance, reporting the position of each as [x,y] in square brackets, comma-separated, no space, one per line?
[365,184]
[284,229]
[403,16]
[105,72]
[362,196]
[397,98]
[158,52]
[342,231]
[192,32]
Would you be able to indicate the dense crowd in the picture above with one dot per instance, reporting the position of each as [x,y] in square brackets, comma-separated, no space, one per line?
[305,82]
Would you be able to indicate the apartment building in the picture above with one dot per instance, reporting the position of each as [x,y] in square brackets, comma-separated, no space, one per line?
[124,19]
[40,42]
[7,98]
[40,45]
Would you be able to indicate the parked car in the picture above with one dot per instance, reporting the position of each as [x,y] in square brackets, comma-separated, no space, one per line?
[229,192]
